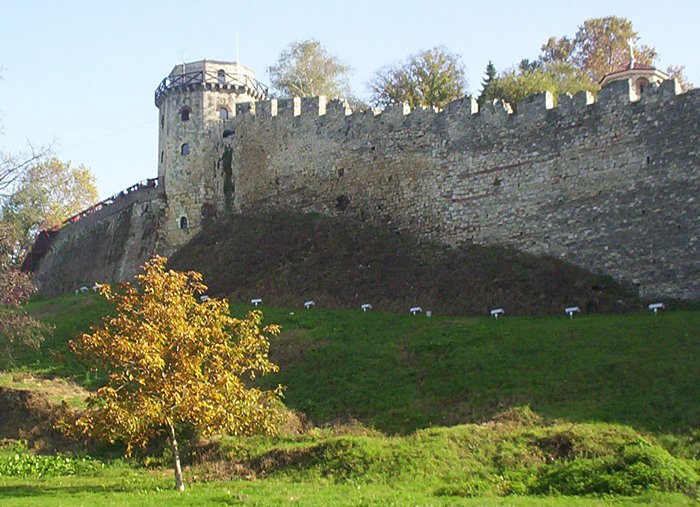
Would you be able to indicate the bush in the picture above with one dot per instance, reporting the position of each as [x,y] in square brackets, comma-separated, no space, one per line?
[20,463]
[637,467]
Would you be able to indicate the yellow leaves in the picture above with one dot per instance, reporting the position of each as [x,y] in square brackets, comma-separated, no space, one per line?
[172,359]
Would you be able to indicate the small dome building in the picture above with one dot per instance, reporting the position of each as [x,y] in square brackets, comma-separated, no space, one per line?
[639,75]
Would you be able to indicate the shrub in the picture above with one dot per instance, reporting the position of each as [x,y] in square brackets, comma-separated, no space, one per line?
[636,468]
[23,464]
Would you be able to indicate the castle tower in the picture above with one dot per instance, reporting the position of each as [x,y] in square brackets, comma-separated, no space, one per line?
[196,104]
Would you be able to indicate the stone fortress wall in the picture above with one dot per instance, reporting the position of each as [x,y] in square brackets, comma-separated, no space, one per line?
[108,245]
[611,185]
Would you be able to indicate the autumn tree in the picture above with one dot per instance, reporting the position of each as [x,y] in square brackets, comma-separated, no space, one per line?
[306,69]
[45,194]
[430,78]
[173,362]
[16,326]
[601,46]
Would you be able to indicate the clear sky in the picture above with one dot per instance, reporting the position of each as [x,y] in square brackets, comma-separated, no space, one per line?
[82,73]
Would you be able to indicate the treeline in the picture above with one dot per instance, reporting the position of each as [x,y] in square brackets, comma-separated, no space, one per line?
[436,76]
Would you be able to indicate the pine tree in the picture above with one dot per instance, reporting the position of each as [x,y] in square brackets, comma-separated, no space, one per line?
[486,82]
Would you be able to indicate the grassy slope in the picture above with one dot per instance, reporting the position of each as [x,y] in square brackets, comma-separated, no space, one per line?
[398,373]
[287,258]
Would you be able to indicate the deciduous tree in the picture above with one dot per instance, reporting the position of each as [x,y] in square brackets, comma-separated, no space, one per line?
[557,77]
[306,69]
[172,362]
[45,194]
[16,326]
[430,78]
[601,46]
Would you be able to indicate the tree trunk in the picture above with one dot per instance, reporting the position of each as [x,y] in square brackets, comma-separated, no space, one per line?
[176,461]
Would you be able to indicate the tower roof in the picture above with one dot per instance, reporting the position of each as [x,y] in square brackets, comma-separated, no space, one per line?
[633,69]
[212,74]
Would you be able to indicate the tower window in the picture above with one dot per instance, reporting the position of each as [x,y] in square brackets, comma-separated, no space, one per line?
[162,121]
[185,149]
[183,222]
[221,76]
[223,113]
[162,155]
[185,114]
[229,133]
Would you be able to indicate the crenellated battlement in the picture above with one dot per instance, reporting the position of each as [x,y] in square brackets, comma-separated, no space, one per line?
[465,110]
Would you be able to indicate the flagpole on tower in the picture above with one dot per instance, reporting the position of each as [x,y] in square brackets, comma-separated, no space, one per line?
[237,57]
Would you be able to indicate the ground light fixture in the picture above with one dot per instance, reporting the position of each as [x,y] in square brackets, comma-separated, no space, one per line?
[496,312]
[655,307]
[571,310]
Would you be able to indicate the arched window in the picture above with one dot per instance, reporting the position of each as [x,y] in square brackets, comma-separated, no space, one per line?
[221,76]
[642,83]
[223,113]
[183,222]
[185,149]
[185,114]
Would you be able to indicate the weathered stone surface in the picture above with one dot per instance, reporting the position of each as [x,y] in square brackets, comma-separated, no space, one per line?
[107,246]
[610,185]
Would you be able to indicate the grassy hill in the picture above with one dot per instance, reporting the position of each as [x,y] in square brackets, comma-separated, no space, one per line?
[614,409]
[399,372]
[288,258]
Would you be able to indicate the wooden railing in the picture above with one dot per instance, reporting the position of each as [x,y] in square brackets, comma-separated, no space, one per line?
[251,85]
[149,183]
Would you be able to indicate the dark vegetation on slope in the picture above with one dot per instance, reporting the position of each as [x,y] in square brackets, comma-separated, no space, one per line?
[289,258]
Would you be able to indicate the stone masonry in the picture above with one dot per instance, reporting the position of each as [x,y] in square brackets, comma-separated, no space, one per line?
[610,185]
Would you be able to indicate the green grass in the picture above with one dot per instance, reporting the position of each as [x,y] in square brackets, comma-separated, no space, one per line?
[141,490]
[399,373]
[619,395]
[500,463]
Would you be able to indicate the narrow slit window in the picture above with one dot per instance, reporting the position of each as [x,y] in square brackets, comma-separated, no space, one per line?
[183,222]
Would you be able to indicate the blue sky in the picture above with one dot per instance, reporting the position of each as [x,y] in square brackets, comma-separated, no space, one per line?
[82,73]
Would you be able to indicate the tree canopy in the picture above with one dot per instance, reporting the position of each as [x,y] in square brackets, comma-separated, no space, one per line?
[490,75]
[306,69]
[430,78]
[570,65]
[174,361]
[557,77]
[16,326]
[46,193]
[601,46]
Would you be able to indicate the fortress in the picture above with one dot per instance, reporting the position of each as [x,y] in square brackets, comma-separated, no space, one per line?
[611,185]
